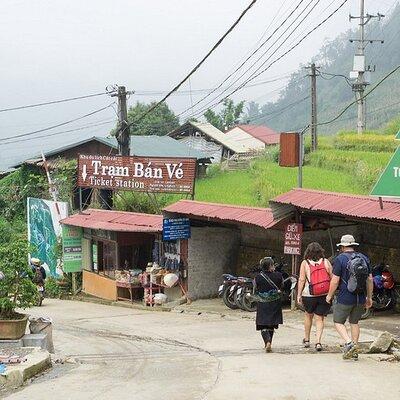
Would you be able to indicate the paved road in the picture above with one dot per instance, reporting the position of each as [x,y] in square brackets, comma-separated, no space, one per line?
[125,353]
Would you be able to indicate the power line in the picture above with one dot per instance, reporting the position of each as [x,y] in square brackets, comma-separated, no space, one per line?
[284,54]
[245,61]
[59,133]
[56,126]
[206,106]
[198,65]
[52,102]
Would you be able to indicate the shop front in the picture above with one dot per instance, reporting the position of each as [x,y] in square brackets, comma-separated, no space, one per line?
[124,257]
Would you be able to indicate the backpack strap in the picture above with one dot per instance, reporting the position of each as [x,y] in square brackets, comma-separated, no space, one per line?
[269,280]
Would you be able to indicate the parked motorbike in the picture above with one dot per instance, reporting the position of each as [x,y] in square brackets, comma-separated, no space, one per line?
[227,290]
[385,293]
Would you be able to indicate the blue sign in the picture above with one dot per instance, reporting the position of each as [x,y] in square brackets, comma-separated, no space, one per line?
[176,228]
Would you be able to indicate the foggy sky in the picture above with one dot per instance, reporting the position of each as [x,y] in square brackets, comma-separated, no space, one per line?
[53,49]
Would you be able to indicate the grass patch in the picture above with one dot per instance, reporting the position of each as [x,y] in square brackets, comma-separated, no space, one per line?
[368,141]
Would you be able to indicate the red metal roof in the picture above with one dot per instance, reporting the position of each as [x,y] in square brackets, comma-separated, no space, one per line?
[261,217]
[261,132]
[365,207]
[120,221]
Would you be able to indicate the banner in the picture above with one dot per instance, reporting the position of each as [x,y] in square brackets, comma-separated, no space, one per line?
[141,174]
[44,231]
[72,248]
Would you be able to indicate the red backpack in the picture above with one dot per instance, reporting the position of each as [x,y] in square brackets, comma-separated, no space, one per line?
[319,279]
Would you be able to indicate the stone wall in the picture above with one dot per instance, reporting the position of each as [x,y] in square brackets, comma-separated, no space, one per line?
[212,252]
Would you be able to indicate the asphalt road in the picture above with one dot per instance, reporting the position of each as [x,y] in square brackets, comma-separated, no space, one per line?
[123,353]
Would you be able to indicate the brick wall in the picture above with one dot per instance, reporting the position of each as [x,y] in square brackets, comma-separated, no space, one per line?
[212,252]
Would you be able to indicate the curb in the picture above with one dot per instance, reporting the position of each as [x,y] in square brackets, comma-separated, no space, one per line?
[37,361]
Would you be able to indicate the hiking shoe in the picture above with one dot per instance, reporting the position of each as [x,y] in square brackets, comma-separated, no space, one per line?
[350,350]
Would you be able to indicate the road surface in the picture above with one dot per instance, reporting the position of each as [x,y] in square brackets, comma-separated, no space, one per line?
[122,353]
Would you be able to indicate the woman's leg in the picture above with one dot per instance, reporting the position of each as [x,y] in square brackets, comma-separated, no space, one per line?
[271,334]
[265,333]
[308,319]
[319,322]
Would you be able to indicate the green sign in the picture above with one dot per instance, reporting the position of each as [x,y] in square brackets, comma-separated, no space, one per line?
[72,248]
[398,135]
[388,184]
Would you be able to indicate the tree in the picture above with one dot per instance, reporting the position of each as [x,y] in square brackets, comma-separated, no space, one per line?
[159,122]
[227,117]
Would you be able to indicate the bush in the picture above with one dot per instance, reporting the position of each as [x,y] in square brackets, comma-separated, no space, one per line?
[368,141]
[16,288]
[392,127]
[52,289]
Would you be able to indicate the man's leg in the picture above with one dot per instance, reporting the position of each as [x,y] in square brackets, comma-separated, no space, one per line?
[342,331]
[355,332]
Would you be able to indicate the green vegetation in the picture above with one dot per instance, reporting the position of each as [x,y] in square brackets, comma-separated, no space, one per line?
[369,141]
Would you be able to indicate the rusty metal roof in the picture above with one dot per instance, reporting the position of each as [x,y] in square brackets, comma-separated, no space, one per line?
[120,221]
[261,217]
[261,132]
[359,207]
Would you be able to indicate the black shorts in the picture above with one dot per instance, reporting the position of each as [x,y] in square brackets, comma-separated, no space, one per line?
[316,305]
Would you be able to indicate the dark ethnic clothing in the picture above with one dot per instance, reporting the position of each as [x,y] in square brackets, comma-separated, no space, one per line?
[269,314]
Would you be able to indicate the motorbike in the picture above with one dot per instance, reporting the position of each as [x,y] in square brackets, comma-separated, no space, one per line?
[385,293]
[227,290]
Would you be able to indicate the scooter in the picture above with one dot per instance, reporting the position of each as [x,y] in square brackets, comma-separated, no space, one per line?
[385,293]
[227,290]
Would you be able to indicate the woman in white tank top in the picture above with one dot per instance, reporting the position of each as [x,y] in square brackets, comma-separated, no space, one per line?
[314,304]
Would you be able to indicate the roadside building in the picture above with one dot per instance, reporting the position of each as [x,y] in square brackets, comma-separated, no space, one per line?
[326,216]
[116,250]
[254,137]
[208,139]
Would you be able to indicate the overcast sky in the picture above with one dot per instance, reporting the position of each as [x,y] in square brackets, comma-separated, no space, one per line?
[53,49]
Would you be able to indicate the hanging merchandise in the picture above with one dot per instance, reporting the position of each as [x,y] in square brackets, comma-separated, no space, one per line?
[172,258]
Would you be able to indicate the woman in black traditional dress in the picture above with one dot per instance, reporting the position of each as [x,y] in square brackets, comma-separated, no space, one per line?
[268,285]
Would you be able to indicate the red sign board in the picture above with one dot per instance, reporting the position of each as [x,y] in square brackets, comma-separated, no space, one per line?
[141,174]
[293,237]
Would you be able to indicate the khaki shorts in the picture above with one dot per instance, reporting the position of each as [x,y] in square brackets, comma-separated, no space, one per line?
[342,312]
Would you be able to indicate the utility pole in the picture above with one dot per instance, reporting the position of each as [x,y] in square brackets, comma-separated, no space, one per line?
[313,122]
[361,73]
[123,134]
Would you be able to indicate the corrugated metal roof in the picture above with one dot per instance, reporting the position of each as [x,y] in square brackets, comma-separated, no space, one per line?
[213,133]
[359,207]
[261,217]
[261,132]
[119,221]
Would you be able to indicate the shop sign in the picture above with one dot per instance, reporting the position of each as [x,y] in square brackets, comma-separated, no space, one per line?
[141,174]
[388,184]
[293,237]
[72,248]
[176,228]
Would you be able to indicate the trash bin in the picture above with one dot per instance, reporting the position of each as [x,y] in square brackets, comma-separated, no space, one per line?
[43,325]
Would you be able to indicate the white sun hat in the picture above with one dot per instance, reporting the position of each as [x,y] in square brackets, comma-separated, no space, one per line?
[347,241]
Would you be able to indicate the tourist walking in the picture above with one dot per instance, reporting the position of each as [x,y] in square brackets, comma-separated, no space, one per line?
[314,280]
[268,285]
[352,276]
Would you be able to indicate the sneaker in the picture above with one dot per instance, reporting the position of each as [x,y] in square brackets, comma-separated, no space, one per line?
[350,350]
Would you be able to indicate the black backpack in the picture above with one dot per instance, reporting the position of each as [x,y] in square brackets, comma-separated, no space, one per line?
[358,270]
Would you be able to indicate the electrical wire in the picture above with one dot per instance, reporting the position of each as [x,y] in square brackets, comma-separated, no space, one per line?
[284,54]
[198,65]
[206,106]
[57,125]
[52,102]
[245,61]
[59,133]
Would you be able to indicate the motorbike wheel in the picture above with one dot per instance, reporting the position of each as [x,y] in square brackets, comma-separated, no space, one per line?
[247,304]
[397,299]
[238,299]
[228,299]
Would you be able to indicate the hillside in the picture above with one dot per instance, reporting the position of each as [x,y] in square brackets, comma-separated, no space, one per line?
[334,93]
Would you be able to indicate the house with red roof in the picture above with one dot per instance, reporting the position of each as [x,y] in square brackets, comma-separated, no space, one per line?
[253,137]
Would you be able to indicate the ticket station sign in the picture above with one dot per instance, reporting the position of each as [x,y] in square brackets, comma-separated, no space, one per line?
[293,238]
[142,174]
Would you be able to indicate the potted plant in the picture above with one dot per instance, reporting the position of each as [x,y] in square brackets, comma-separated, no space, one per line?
[17,291]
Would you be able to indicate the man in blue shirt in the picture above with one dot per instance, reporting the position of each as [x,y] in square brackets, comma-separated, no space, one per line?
[349,305]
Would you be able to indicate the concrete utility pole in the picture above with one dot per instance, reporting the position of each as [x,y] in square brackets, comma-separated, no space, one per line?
[123,134]
[313,122]
[361,72]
